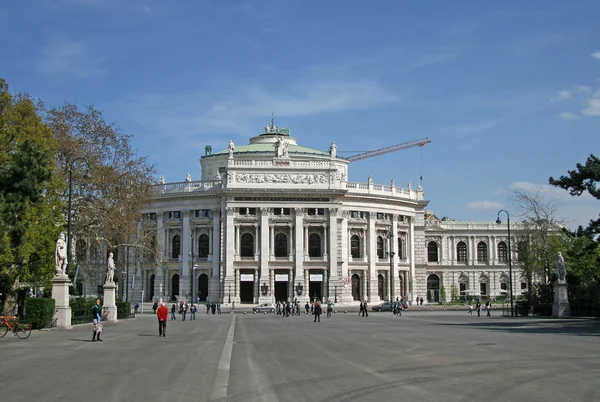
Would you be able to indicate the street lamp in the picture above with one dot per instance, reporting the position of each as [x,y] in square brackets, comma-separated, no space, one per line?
[510,284]
[229,294]
[86,177]
[335,293]
[192,276]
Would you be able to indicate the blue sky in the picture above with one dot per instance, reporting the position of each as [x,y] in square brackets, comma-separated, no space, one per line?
[508,92]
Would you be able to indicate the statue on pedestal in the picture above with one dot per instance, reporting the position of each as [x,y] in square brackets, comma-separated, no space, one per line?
[188,177]
[162,179]
[60,256]
[281,147]
[561,268]
[110,271]
[231,148]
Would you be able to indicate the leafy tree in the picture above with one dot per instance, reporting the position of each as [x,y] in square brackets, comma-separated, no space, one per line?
[107,208]
[30,220]
[585,178]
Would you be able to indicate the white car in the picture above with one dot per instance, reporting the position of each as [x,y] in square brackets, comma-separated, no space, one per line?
[269,307]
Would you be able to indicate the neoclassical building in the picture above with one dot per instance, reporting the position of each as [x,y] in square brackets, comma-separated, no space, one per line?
[273,220]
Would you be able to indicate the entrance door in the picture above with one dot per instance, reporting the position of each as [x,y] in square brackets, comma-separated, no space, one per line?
[174,287]
[246,288]
[151,287]
[203,287]
[282,286]
[433,288]
[356,295]
[315,286]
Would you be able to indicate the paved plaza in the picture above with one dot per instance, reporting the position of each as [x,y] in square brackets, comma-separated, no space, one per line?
[421,356]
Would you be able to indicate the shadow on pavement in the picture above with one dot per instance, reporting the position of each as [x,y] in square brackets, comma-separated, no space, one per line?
[565,327]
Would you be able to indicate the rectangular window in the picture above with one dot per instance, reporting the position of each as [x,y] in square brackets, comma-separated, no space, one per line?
[247,211]
[316,211]
[523,285]
[202,213]
[281,211]
[380,215]
[356,214]
[175,215]
[483,288]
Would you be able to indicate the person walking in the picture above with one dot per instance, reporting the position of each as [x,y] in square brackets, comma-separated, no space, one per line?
[219,308]
[365,309]
[184,309]
[162,312]
[318,311]
[173,312]
[207,307]
[306,307]
[193,310]
[488,307]
[329,308]
[478,307]
[155,306]
[96,317]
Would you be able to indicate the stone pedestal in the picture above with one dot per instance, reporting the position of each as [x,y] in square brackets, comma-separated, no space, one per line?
[109,308]
[60,294]
[561,307]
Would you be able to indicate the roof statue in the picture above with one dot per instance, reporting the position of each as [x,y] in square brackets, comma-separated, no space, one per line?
[188,177]
[333,150]
[162,179]
[281,147]
[231,148]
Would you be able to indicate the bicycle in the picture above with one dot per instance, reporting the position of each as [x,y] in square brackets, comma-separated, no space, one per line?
[21,329]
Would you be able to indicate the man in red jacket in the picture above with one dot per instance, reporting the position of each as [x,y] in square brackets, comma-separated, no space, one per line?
[162,312]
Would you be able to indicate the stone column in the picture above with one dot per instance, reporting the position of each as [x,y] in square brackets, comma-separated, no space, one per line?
[334,279]
[109,308]
[60,294]
[265,253]
[184,279]
[162,250]
[372,250]
[228,240]
[299,246]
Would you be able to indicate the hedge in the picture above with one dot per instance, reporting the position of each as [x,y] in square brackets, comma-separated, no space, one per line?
[39,312]
[81,309]
[123,310]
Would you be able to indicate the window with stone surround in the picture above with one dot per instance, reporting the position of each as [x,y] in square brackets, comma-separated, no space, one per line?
[400,249]
[461,252]
[203,246]
[247,211]
[432,252]
[176,246]
[482,252]
[355,246]
[380,244]
[247,245]
[314,245]
[316,211]
[281,246]
[281,211]
[502,252]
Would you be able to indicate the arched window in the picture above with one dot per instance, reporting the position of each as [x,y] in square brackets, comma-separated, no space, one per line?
[482,254]
[203,245]
[400,249]
[432,252]
[176,247]
[379,247]
[502,252]
[80,251]
[355,246]
[247,245]
[314,245]
[281,249]
[461,252]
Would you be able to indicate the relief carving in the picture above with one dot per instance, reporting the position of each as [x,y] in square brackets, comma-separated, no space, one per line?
[257,178]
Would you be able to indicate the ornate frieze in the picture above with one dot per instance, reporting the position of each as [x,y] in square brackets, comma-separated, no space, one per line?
[259,178]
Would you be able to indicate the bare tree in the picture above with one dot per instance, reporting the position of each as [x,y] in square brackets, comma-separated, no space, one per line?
[537,243]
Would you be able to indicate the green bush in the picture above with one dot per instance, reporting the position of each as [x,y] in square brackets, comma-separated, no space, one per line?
[123,310]
[523,307]
[81,309]
[39,312]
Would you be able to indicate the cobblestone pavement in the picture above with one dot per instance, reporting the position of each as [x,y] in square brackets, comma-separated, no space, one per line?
[433,356]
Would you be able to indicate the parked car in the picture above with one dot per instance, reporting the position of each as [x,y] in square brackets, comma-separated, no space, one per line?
[385,306]
[269,307]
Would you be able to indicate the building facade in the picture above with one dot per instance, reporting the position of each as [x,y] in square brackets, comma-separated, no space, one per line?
[273,220]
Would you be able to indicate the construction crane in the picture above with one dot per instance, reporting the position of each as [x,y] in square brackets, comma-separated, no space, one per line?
[421,142]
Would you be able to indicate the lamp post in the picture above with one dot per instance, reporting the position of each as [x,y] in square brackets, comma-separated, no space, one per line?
[229,294]
[87,177]
[192,276]
[335,293]
[510,284]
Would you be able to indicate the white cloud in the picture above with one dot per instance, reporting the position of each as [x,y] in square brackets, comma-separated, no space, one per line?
[568,93]
[568,116]
[485,205]
[596,55]
[593,107]
[70,57]
[235,108]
